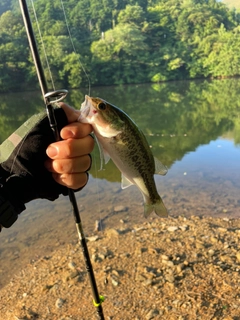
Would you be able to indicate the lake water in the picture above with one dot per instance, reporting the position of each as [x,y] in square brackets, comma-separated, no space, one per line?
[193,127]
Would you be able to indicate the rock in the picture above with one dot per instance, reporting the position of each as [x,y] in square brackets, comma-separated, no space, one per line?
[180,267]
[72,265]
[97,225]
[146,274]
[73,274]
[168,263]
[152,314]
[120,208]
[164,257]
[214,239]
[238,256]
[59,303]
[147,282]
[112,233]
[184,227]
[94,257]
[172,229]
[114,281]
[211,252]
[170,278]
[139,277]
[92,238]
[101,256]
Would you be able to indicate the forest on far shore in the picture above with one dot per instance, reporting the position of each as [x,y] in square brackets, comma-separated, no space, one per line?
[120,42]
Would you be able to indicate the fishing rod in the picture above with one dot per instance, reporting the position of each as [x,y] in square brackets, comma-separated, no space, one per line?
[50,98]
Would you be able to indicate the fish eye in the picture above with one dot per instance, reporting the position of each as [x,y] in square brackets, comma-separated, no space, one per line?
[102,106]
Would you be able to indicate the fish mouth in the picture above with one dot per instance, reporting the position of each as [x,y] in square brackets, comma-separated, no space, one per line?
[85,109]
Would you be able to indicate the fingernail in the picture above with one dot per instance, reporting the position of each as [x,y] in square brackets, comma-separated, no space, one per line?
[52,152]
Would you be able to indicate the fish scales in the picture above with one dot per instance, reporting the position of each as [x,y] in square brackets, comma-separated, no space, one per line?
[120,139]
[135,153]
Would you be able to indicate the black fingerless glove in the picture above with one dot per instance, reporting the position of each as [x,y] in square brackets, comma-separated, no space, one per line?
[23,176]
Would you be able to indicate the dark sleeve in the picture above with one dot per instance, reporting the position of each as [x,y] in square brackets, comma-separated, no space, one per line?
[23,176]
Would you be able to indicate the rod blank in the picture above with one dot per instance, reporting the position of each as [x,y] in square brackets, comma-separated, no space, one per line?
[59,95]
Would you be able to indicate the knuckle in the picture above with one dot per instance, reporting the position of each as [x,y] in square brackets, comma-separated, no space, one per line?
[69,148]
[59,166]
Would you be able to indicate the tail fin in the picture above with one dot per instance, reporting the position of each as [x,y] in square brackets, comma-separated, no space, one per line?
[158,207]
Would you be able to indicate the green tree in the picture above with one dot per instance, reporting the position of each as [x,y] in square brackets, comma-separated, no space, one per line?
[13,53]
[125,41]
[125,45]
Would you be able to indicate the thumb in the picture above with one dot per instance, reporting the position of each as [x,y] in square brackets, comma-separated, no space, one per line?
[71,113]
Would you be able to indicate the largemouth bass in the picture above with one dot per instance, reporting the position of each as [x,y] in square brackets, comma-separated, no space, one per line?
[120,139]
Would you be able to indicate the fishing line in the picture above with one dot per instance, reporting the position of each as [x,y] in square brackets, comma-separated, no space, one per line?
[74,49]
[89,89]
[98,196]
[15,158]
[43,46]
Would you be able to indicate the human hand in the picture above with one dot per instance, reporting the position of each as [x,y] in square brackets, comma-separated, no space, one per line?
[23,161]
[69,159]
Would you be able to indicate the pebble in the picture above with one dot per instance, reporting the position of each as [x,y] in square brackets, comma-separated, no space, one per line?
[114,281]
[152,314]
[101,256]
[168,263]
[92,238]
[172,229]
[120,208]
[73,274]
[170,278]
[238,256]
[112,232]
[184,227]
[179,268]
[97,226]
[161,280]
[72,265]
[59,303]
[211,252]
[214,239]
[94,257]
[147,282]
[164,257]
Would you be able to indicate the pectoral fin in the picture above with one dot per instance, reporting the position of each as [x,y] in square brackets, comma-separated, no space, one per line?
[104,156]
[160,168]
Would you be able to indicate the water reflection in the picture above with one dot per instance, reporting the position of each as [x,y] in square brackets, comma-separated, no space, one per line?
[192,127]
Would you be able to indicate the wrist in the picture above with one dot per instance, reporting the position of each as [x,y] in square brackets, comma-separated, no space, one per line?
[8,212]
[10,206]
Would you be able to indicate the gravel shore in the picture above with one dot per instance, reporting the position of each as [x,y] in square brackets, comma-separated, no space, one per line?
[176,268]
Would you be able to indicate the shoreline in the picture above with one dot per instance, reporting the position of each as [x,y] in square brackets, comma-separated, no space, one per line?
[175,268]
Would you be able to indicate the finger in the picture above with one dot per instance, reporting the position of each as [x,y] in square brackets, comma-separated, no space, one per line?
[76,130]
[73,181]
[75,165]
[70,148]
[71,113]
